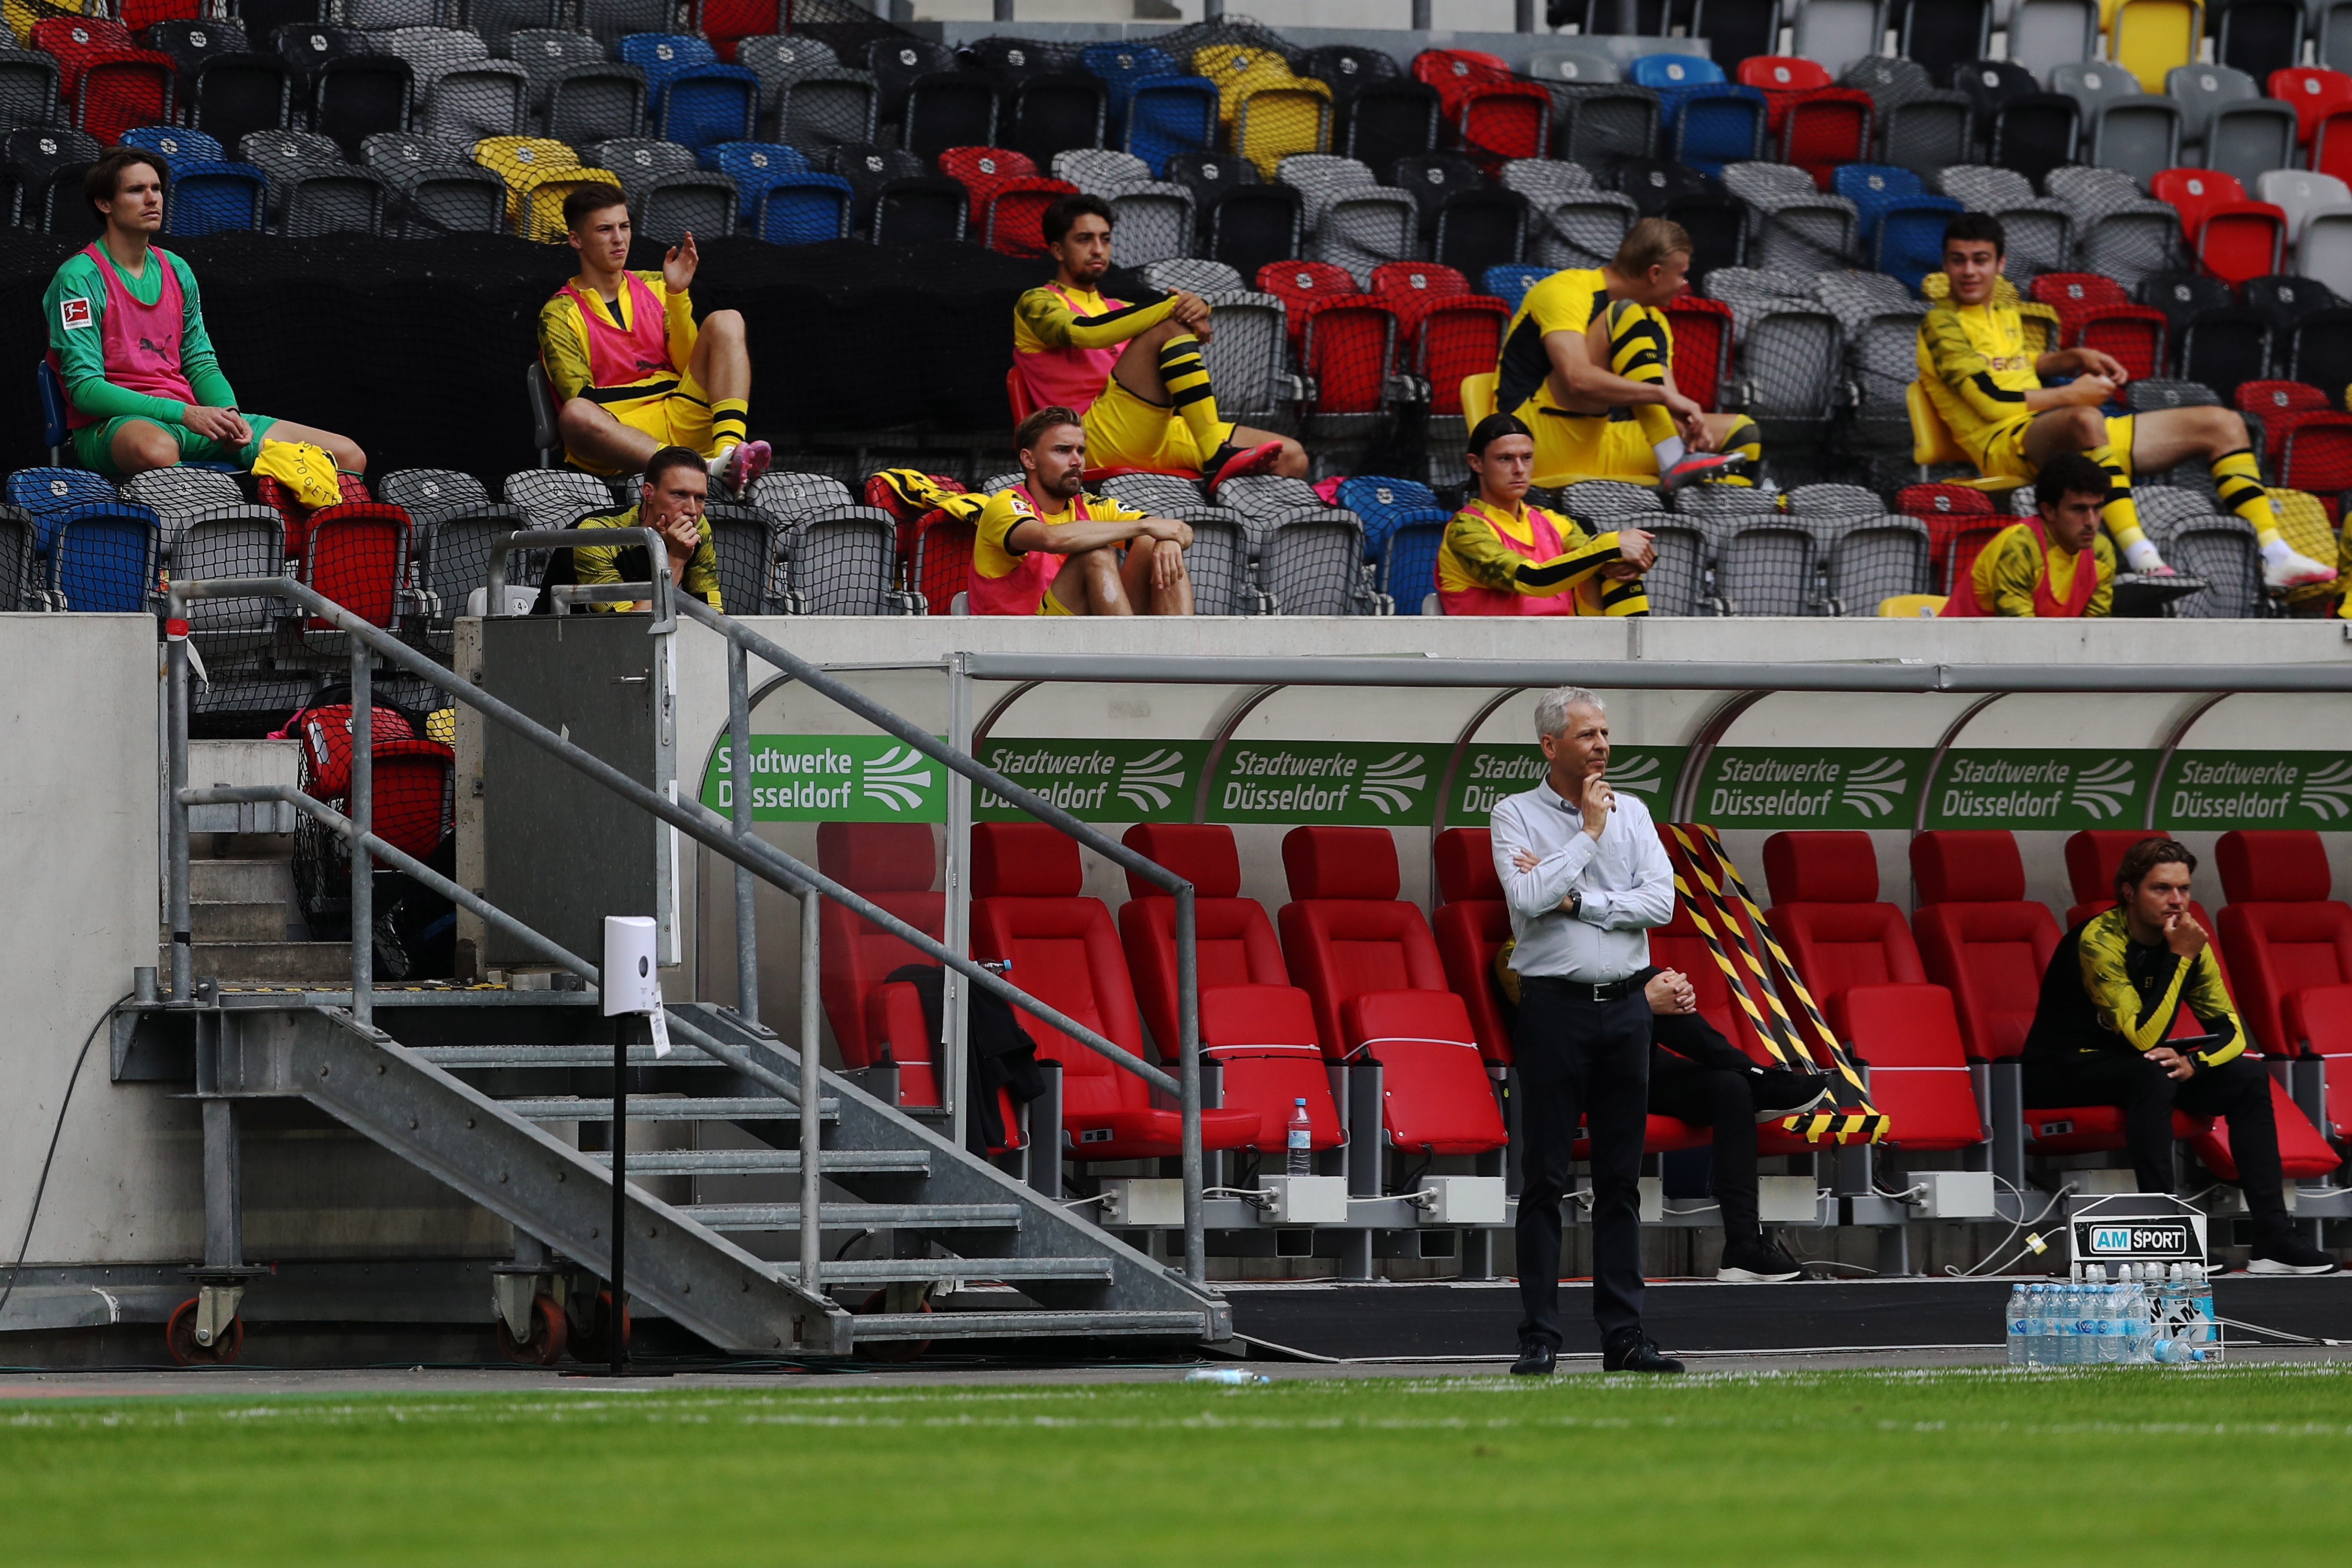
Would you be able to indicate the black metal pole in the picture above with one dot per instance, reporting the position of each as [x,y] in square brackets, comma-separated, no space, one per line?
[617,1314]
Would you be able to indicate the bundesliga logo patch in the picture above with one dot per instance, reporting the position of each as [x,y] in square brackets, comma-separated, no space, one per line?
[73,313]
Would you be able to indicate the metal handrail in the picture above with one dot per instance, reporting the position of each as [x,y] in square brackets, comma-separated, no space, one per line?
[664,596]
[699,823]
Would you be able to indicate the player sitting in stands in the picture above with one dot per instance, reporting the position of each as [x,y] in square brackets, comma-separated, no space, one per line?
[1134,371]
[1975,368]
[1044,547]
[128,342]
[2102,1035]
[1590,341]
[1503,557]
[2053,565]
[630,368]
[676,488]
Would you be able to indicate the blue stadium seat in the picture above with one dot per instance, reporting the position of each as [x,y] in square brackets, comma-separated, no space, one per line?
[1123,66]
[1902,224]
[1510,280]
[754,166]
[100,548]
[1663,71]
[1404,526]
[695,102]
[1709,124]
[55,432]
[803,209]
[1170,114]
[205,191]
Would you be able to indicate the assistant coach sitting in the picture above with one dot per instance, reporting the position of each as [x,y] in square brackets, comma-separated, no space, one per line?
[1585,877]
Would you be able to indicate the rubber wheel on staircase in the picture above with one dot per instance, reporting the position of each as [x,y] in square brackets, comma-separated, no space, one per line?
[549,1335]
[590,1341]
[179,1339]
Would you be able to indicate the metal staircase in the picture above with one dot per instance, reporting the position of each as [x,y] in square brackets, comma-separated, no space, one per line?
[507,1096]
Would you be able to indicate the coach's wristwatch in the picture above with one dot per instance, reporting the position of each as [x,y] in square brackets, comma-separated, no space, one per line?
[1575,905]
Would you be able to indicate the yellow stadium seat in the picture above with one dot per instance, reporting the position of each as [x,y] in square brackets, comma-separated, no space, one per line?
[535,199]
[2149,37]
[2303,523]
[1932,442]
[1279,117]
[1477,397]
[1925,606]
[1232,66]
[526,163]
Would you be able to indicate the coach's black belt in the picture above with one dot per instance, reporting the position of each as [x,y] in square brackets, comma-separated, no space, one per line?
[1584,990]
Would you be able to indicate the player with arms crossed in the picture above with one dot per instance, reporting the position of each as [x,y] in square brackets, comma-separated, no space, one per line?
[1044,547]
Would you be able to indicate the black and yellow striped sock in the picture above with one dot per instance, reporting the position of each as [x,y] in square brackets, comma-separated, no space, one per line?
[1186,381]
[2121,514]
[730,423]
[1637,351]
[1744,440]
[1626,597]
[2238,484]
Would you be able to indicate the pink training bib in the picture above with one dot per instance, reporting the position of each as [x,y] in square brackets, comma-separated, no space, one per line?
[140,342]
[1021,591]
[617,358]
[1543,544]
[1068,378]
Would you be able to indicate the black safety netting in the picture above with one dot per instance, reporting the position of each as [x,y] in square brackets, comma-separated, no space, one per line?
[417,352]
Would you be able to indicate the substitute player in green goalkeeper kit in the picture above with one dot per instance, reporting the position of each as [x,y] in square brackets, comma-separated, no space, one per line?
[127,340]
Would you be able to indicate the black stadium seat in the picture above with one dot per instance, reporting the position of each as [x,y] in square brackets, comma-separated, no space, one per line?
[896,63]
[1249,226]
[1042,115]
[44,167]
[28,88]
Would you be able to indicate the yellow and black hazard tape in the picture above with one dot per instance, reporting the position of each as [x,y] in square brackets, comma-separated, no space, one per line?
[1855,1120]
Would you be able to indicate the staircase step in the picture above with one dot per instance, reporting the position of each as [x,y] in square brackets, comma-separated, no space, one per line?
[274,962]
[667,1108]
[459,1058]
[876,1326]
[241,882]
[885,1270]
[218,921]
[767,1161]
[856,1217]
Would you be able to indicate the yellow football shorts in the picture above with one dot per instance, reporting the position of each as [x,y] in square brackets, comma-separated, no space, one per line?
[1123,431]
[1570,446]
[680,419]
[2001,451]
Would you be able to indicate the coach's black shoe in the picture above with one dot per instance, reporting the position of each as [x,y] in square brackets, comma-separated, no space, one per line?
[1778,1092]
[1537,1358]
[1756,1262]
[1231,462]
[1630,1350]
[2290,1255]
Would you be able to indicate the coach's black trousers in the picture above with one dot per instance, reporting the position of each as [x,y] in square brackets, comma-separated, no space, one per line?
[1580,1060]
[2239,1090]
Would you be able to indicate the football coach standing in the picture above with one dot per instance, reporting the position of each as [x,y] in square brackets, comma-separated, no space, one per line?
[1585,877]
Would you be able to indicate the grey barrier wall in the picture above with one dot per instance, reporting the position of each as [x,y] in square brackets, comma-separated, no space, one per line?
[80,850]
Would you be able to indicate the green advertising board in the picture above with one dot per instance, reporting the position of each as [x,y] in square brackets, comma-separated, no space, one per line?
[2026,788]
[2256,789]
[1098,780]
[1810,787]
[1488,775]
[1373,784]
[830,778]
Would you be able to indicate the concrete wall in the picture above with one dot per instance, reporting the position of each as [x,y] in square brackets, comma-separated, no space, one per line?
[79,849]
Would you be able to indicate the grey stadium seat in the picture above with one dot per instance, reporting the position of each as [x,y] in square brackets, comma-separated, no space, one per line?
[2220,551]
[2041,231]
[840,561]
[1797,227]
[1571,221]
[2047,33]
[437,189]
[2118,231]
[311,190]
[1676,581]
[210,530]
[578,94]
[1789,348]
[788,496]
[1763,566]
[556,498]
[1871,559]
[2138,136]
[1837,33]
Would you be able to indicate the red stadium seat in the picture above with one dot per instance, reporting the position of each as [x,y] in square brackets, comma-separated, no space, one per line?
[2319,1020]
[2314,92]
[2282,933]
[1015,220]
[1815,125]
[1962,520]
[2095,312]
[1444,331]
[1702,361]
[2302,1152]
[983,171]
[1918,1072]
[1345,340]
[1781,73]
[111,82]
[1496,123]
[2331,143]
[1027,909]
[1366,960]
[726,23]
[941,567]
[1254,1024]
[356,553]
[1980,936]
[275,494]
[894,864]
[2091,857]
[2300,431]
[2233,238]
[1825,906]
[1472,923]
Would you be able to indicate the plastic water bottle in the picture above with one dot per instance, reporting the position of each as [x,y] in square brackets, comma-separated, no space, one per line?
[2201,1301]
[2102,1313]
[2068,1340]
[1226,1377]
[1300,1150]
[2037,1322]
[2019,1325]
[2134,1312]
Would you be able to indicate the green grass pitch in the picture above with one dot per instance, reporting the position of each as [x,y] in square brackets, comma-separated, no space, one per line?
[1981,1468]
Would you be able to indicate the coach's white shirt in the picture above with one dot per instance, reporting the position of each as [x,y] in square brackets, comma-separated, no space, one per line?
[1627,883]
